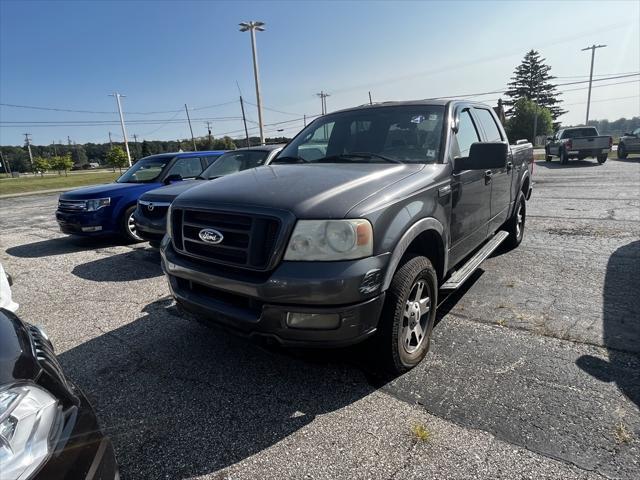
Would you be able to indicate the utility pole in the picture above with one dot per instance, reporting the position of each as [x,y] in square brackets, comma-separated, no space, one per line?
[323,99]
[244,120]
[135,143]
[5,163]
[304,118]
[195,149]
[124,131]
[27,140]
[370,101]
[209,133]
[593,54]
[110,142]
[252,27]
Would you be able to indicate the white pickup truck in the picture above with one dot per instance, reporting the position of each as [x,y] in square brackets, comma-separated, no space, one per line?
[578,142]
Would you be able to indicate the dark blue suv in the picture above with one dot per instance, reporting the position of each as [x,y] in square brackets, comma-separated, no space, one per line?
[108,209]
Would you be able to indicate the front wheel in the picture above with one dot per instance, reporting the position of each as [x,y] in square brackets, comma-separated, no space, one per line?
[128,226]
[515,225]
[547,155]
[622,151]
[409,314]
[602,158]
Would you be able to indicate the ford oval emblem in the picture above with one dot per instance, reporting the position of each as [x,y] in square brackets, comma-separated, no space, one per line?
[209,235]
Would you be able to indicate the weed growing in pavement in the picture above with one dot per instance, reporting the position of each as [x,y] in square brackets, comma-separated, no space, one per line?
[622,434]
[420,433]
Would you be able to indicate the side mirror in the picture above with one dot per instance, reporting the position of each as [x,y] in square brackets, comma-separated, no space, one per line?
[176,177]
[483,156]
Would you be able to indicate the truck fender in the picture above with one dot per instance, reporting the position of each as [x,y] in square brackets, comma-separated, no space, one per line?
[407,238]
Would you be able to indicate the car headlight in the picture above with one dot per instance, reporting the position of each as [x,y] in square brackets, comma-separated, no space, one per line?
[326,240]
[28,416]
[97,204]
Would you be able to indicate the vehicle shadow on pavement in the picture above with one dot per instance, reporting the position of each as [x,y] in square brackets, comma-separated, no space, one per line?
[572,164]
[62,246]
[181,400]
[138,264]
[621,323]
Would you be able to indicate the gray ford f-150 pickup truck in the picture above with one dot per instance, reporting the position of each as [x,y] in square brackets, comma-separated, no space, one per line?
[578,142]
[354,229]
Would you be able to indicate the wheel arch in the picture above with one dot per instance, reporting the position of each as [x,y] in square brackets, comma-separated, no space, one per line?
[426,237]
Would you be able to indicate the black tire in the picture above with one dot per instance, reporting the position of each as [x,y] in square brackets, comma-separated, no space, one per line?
[127,227]
[515,225]
[547,156]
[602,158]
[564,159]
[403,340]
[622,151]
[154,243]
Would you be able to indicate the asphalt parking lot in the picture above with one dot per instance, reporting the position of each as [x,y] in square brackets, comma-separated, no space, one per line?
[534,369]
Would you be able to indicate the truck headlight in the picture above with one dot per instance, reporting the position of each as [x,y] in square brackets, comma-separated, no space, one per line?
[326,240]
[28,416]
[97,203]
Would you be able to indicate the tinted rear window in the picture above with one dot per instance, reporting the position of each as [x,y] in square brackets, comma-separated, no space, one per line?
[580,132]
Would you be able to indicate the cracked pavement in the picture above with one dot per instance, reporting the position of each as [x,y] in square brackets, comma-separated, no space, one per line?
[534,369]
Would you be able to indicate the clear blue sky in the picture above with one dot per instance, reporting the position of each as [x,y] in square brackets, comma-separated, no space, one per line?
[163,54]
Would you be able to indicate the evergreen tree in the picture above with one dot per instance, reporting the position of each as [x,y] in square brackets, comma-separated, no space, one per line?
[532,80]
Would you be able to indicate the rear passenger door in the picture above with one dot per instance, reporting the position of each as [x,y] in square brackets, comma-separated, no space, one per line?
[470,194]
[499,178]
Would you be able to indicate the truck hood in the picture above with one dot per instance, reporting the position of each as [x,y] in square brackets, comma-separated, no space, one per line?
[170,192]
[307,191]
[109,190]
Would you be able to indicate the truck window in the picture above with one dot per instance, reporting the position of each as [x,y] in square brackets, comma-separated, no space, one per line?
[489,126]
[232,162]
[466,135]
[580,132]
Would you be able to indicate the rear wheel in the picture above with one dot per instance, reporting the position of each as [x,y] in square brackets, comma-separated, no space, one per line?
[622,151]
[602,158]
[564,159]
[128,226]
[515,225]
[409,314]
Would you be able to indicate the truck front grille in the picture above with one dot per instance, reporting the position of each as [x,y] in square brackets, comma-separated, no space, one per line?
[153,211]
[249,240]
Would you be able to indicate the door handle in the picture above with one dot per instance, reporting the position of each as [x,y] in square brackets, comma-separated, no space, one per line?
[487,176]
[509,166]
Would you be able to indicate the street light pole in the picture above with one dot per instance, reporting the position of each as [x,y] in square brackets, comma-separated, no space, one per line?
[124,131]
[252,27]
[593,54]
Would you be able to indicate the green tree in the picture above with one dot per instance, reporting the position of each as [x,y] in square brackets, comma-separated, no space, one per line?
[61,163]
[79,156]
[531,80]
[146,149]
[41,164]
[116,157]
[521,123]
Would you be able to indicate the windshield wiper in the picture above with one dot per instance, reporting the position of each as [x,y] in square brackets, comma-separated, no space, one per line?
[289,159]
[346,156]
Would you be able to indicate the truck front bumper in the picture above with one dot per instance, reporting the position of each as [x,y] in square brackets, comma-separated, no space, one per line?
[308,304]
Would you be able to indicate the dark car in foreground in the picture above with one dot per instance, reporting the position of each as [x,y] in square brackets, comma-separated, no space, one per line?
[48,429]
[354,229]
[629,143]
[108,209]
[150,216]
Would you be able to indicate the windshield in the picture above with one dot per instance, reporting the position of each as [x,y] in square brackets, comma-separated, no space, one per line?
[232,162]
[407,134]
[146,170]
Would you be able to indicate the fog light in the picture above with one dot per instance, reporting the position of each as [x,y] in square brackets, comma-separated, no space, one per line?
[92,229]
[317,321]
